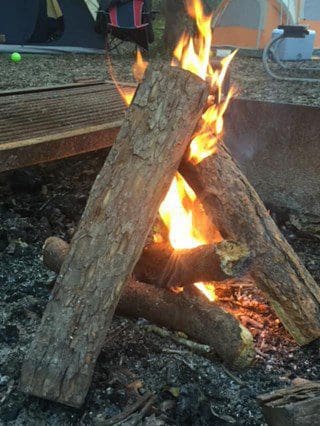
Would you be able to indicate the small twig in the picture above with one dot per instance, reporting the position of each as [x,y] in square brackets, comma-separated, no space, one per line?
[175,351]
[114,333]
[232,376]
[265,356]
[247,320]
[48,201]
[8,392]
[194,346]
[120,418]
[144,410]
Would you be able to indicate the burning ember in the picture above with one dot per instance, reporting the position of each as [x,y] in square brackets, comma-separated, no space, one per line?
[192,53]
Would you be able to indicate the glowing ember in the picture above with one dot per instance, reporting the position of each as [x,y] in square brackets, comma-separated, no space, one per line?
[208,290]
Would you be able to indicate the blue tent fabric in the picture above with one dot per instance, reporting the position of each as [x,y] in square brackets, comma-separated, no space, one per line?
[79,26]
[25,23]
[18,19]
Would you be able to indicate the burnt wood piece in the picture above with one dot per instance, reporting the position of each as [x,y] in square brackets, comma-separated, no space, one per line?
[163,266]
[54,252]
[201,320]
[238,212]
[44,124]
[120,211]
[293,406]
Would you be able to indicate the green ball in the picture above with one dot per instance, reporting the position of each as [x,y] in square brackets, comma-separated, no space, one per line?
[15,57]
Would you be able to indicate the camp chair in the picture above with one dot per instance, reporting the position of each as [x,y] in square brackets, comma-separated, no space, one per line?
[129,21]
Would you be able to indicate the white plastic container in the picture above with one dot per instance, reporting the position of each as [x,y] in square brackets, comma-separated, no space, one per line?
[295,49]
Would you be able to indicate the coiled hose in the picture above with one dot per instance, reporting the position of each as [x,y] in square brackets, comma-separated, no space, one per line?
[269,52]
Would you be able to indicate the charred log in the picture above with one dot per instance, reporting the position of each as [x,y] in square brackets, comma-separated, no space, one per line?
[296,405]
[238,212]
[121,208]
[203,321]
[163,266]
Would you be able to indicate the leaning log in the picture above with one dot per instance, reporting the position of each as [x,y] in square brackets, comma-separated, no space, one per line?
[238,212]
[163,266]
[201,320]
[121,208]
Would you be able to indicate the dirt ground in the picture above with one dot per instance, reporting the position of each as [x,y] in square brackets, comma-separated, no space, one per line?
[48,200]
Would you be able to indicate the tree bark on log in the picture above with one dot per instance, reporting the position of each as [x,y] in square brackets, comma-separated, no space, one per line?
[297,405]
[238,212]
[121,208]
[201,320]
[163,266]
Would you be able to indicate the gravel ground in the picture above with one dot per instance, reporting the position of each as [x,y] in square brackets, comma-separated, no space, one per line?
[248,75]
[48,200]
[189,389]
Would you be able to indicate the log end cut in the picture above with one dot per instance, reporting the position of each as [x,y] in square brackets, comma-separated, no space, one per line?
[234,257]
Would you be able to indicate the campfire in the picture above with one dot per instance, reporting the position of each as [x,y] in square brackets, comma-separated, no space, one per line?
[178,209]
[169,215]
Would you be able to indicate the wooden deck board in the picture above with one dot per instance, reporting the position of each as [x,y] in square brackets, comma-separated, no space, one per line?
[42,125]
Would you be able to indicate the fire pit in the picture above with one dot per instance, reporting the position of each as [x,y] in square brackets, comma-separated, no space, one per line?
[211,226]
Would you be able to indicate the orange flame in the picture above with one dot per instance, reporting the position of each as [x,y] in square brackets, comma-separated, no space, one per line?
[176,211]
[138,70]
[139,67]
[192,54]
[127,93]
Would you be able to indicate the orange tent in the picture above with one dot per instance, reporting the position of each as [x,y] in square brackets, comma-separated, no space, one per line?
[249,23]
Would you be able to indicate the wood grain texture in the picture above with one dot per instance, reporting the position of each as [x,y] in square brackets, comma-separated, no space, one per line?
[292,406]
[238,212]
[162,266]
[203,321]
[120,211]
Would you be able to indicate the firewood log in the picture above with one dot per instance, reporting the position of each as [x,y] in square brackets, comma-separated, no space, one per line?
[120,211]
[296,405]
[162,266]
[238,212]
[201,320]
